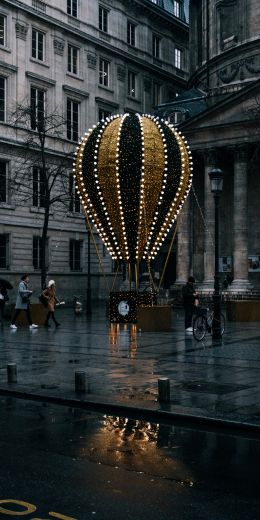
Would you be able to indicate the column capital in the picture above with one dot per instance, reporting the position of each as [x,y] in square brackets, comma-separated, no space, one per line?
[241,153]
[210,157]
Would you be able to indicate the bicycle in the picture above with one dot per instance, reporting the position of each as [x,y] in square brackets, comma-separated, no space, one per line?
[202,323]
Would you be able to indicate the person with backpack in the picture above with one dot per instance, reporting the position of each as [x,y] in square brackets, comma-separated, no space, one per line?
[51,299]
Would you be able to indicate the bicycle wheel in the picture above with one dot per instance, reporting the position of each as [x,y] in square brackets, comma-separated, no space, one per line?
[222,324]
[199,327]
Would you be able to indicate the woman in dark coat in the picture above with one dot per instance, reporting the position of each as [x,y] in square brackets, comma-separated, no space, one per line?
[50,294]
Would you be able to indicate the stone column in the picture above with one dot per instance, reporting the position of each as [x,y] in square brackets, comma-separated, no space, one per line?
[240,231]
[209,238]
[183,245]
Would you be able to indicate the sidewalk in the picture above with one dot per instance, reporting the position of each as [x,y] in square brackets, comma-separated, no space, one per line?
[216,385]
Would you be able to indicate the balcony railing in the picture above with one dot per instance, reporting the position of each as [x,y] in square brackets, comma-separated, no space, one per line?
[39,5]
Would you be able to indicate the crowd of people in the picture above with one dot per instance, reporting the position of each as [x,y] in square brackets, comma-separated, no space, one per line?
[48,298]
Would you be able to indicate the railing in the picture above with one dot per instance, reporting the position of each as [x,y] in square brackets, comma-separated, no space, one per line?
[206,298]
[39,5]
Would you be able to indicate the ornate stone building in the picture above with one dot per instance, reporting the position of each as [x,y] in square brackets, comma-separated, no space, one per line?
[82,60]
[220,117]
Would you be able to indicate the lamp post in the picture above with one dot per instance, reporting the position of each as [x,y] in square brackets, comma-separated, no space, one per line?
[216,181]
[88,306]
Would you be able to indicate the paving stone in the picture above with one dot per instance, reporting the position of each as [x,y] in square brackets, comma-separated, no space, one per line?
[208,380]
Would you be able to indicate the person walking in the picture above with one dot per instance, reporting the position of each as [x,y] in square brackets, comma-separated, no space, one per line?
[3,299]
[50,294]
[189,296]
[23,302]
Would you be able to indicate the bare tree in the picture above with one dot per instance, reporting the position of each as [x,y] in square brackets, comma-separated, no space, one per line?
[43,172]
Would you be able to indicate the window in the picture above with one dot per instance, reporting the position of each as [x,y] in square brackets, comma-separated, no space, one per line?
[103,72]
[38,45]
[176,8]
[3,181]
[2,29]
[131,84]
[38,188]
[2,99]
[131,33]
[178,58]
[37,108]
[72,120]
[103,19]
[72,8]
[37,252]
[4,251]
[75,255]
[156,46]
[176,117]
[74,206]
[102,114]
[73,57]
[156,94]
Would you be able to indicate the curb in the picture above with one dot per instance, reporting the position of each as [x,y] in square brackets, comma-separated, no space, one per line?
[138,411]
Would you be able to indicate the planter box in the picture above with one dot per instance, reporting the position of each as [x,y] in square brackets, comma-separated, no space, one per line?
[154,319]
[123,305]
[243,310]
[38,313]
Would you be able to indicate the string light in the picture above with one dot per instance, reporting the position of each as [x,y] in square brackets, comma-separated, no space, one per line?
[133,174]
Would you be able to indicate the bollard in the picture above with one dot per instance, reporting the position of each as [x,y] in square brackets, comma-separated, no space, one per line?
[164,389]
[11,373]
[80,382]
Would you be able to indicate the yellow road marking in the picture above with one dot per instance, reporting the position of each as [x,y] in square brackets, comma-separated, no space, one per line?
[30,508]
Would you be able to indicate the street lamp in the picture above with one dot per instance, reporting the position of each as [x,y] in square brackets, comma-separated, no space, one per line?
[216,181]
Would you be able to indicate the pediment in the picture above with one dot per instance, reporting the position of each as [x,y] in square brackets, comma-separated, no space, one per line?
[241,107]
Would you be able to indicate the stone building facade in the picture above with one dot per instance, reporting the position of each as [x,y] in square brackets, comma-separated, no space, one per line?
[84,60]
[220,117]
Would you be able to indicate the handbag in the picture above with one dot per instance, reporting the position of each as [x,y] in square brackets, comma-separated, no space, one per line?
[43,299]
[25,299]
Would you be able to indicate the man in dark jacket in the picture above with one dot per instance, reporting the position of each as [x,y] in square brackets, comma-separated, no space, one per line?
[189,295]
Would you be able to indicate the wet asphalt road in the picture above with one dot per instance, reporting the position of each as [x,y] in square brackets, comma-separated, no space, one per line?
[70,464]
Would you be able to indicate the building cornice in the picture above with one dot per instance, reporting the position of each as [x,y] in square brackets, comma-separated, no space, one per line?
[15,143]
[156,11]
[41,79]
[7,67]
[82,94]
[235,54]
[106,102]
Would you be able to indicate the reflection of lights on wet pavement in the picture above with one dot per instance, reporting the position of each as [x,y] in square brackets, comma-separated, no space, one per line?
[123,337]
[141,446]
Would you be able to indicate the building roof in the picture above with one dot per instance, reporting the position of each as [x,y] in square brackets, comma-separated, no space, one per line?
[168,5]
[190,103]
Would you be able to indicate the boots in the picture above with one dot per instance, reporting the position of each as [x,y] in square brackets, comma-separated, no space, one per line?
[57,324]
[46,324]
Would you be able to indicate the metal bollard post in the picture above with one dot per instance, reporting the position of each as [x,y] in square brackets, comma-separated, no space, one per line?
[164,389]
[11,373]
[80,382]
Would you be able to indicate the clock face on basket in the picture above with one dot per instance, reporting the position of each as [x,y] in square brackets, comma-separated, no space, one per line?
[123,308]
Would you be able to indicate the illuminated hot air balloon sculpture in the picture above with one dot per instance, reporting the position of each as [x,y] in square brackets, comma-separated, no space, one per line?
[133,173]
